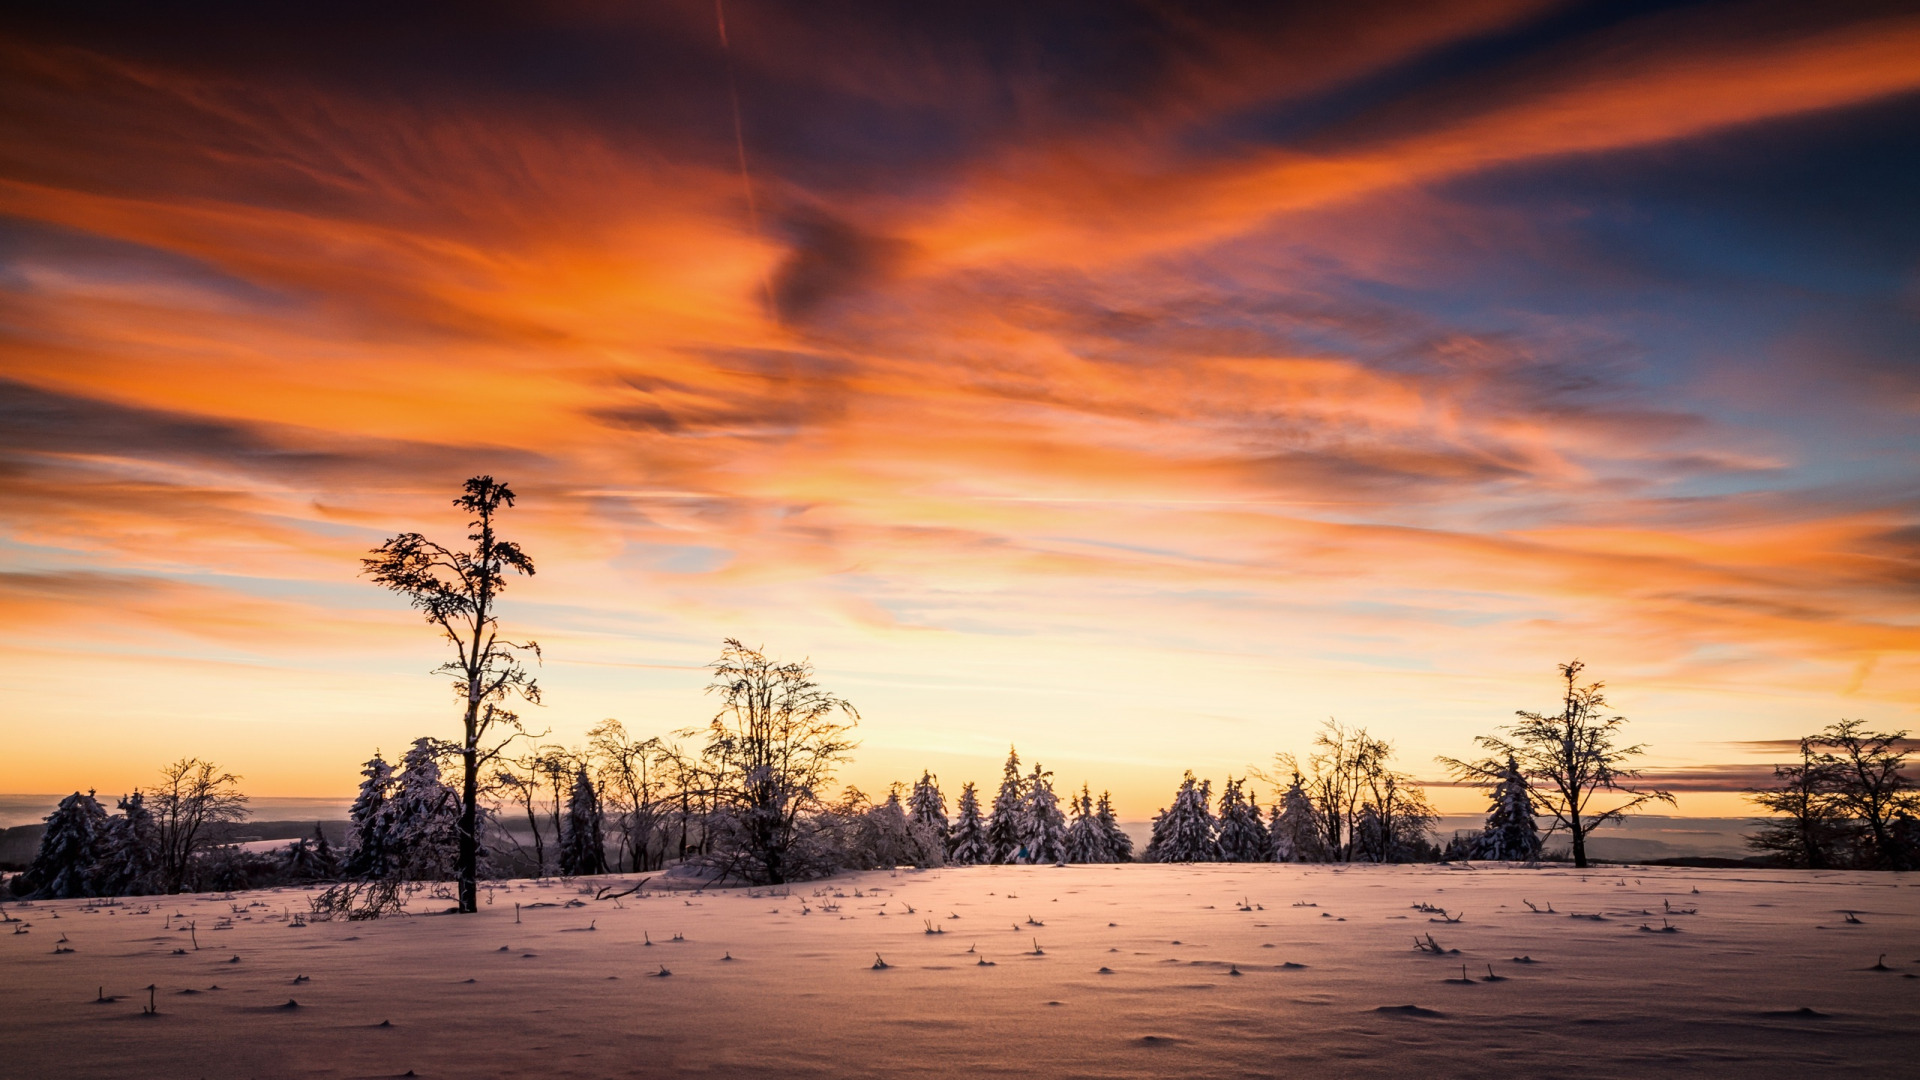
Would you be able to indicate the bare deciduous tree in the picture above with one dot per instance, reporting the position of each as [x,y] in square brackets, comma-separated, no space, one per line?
[1335,780]
[553,766]
[632,771]
[772,750]
[1363,808]
[1870,787]
[519,781]
[456,590]
[1811,825]
[192,796]
[1567,760]
[1396,817]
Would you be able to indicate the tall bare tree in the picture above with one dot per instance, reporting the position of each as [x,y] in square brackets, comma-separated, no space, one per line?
[192,797]
[456,590]
[1568,760]
[772,748]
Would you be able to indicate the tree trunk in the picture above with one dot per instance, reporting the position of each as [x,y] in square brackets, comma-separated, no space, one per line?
[469,862]
[1579,844]
[1883,855]
[533,823]
[1810,840]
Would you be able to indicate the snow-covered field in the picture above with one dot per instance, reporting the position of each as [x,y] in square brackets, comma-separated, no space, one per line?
[1108,971]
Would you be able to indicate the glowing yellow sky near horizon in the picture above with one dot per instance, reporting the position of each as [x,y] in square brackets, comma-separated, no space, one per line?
[1063,454]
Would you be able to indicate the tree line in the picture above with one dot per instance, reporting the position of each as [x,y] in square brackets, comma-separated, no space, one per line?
[746,804]
[166,839]
[749,797]
[758,785]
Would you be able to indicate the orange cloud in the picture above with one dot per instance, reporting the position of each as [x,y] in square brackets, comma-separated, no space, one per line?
[1120,424]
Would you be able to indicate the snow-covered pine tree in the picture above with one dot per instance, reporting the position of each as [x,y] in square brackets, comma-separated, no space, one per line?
[927,813]
[1206,830]
[1003,829]
[1184,832]
[1243,836]
[583,843]
[1295,830]
[1086,840]
[1119,844]
[70,850]
[367,848]
[1370,844]
[1043,828]
[1511,833]
[422,817]
[883,837]
[967,842]
[130,851]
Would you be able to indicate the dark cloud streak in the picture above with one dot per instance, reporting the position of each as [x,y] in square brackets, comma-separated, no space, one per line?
[37,424]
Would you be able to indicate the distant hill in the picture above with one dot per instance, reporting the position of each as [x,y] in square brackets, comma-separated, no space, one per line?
[1648,837]
[19,844]
[33,809]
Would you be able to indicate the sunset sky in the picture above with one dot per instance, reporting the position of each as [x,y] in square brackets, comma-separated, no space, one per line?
[1141,384]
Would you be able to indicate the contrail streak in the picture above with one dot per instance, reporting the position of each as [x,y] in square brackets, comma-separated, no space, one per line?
[740,148]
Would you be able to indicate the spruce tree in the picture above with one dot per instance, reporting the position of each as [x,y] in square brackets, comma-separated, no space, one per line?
[582,839]
[1184,831]
[422,817]
[367,854]
[1295,830]
[130,851]
[1511,833]
[927,812]
[1119,844]
[1370,842]
[1043,828]
[70,850]
[1003,829]
[967,842]
[1243,836]
[1086,840]
[883,836]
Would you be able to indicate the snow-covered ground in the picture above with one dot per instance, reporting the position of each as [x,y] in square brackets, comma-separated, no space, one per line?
[1035,971]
